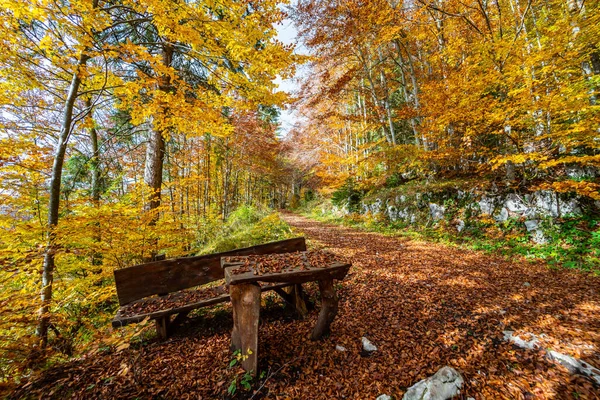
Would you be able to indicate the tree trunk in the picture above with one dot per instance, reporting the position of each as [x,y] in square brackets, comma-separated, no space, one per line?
[54,201]
[95,169]
[155,154]
[95,160]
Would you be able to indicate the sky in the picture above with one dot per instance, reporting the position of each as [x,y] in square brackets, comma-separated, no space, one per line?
[287,34]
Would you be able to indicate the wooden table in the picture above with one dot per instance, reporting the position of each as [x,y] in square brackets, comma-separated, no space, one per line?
[245,292]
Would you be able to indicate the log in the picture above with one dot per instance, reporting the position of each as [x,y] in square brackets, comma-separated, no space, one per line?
[329,308]
[245,299]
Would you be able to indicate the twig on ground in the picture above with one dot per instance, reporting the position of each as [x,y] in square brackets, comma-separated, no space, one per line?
[272,375]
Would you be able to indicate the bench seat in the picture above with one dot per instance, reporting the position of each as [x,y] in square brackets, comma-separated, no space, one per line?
[180,302]
[157,290]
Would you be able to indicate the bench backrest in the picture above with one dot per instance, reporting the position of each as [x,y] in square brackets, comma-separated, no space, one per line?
[167,276]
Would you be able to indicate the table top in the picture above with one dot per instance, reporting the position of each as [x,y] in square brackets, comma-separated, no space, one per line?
[295,267]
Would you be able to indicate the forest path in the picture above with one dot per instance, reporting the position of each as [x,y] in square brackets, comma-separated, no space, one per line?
[423,305]
[427,305]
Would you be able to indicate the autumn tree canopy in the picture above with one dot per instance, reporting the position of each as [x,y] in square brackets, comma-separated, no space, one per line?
[504,90]
[126,129]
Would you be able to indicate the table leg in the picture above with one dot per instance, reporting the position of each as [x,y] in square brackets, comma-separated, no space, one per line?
[329,308]
[245,299]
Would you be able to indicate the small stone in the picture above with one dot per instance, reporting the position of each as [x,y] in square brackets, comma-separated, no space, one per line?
[368,346]
[340,348]
[384,397]
[532,225]
[527,284]
[509,336]
[574,365]
[444,385]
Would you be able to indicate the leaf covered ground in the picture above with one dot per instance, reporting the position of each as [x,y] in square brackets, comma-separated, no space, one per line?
[423,305]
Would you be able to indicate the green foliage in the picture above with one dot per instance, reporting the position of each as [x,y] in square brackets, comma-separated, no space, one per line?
[348,195]
[246,379]
[572,241]
[247,226]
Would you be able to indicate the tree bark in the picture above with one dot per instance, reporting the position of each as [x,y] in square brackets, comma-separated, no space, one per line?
[95,160]
[155,154]
[54,201]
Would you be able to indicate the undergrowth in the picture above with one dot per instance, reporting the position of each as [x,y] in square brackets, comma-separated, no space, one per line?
[82,314]
[247,226]
[572,241]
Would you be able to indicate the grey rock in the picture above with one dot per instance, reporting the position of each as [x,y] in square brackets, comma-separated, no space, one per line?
[366,207]
[340,348]
[574,365]
[509,336]
[502,216]
[376,206]
[436,211]
[539,237]
[577,172]
[527,284]
[445,384]
[367,345]
[486,205]
[392,213]
[460,225]
[548,203]
[532,225]
[515,204]
[384,397]
[531,213]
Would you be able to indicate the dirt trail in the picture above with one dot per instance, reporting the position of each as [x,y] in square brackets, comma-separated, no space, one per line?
[427,305]
[423,305]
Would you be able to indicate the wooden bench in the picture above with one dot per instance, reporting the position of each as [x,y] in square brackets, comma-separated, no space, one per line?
[161,289]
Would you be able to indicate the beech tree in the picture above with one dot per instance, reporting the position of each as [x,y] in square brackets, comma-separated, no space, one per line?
[503,91]
[103,87]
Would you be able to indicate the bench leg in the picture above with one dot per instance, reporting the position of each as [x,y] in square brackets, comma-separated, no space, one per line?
[298,299]
[177,321]
[245,299]
[162,327]
[329,308]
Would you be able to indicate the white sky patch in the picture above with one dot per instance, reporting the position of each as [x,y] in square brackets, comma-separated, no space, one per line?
[287,34]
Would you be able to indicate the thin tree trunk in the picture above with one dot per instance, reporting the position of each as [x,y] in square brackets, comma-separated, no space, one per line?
[95,160]
[155,154]
[54,201]
[95,170]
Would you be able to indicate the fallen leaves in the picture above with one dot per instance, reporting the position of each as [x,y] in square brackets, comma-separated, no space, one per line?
[172,300]
[407,298]
[278,263]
